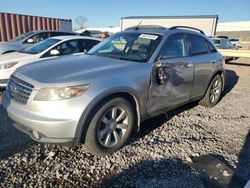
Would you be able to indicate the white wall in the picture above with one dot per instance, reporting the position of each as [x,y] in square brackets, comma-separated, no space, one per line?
[234,26]
[222,26]
[206,24]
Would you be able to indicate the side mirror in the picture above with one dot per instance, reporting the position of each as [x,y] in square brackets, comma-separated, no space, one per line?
[54,52]
[30,41]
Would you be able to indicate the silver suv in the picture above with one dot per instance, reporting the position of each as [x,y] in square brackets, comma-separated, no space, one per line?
[98,99]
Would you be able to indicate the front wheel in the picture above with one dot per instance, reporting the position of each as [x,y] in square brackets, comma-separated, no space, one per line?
[110,127]
[213,93]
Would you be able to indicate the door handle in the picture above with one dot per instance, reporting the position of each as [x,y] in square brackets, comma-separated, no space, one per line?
[213,61]
[188,65]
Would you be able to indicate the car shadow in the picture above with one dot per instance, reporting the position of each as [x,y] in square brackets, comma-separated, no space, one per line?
[210,170]
[204,171]
[216,171]
[238,64]
[149,173]
[230,81]
[243,165]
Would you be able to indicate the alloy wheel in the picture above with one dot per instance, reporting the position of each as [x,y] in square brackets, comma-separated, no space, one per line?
[112,127]
[215,91]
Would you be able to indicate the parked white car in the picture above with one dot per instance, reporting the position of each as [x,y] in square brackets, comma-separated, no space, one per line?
[28,39]
[49,48]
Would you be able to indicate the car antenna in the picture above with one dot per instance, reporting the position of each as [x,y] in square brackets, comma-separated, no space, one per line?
[137,27]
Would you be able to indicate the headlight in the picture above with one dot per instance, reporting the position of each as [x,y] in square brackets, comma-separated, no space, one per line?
[55,94]
[7,65]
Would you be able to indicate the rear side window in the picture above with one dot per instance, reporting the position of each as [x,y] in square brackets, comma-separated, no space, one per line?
[174,47]
[87,44]
[198,45]
[211,48]
[39,37]
[54,34]
[66,33]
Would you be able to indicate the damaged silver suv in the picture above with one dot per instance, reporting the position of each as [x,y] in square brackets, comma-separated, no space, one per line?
[98,99]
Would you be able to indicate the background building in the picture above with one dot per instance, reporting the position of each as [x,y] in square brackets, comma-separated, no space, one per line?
[12,25]
[206,23]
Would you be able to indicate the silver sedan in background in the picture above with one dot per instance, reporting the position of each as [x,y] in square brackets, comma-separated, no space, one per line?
[50,48]
[28,39]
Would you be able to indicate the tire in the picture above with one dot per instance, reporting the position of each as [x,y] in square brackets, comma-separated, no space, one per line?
[213,93]
[110,126]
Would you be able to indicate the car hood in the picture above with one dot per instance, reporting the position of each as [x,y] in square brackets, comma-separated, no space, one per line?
[5,46]
[15,57]
[70,70]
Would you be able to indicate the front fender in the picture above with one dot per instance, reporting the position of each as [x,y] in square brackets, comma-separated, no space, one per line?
[82,125]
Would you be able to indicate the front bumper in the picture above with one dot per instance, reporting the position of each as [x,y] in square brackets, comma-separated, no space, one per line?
[47,122]
[5,75]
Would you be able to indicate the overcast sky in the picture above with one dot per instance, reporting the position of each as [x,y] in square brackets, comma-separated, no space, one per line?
[104,13]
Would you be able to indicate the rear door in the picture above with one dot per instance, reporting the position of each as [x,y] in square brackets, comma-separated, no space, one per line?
[178,70]
[205,59]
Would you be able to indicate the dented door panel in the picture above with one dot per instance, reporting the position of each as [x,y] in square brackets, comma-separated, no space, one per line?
[176,89]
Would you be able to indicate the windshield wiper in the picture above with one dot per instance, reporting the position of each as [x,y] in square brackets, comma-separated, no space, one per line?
[112,56]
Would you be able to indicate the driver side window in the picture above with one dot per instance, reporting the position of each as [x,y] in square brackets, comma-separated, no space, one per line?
[38,37]
[65,48]
[174,47]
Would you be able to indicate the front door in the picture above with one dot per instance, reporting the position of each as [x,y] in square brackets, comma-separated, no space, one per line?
[172,75]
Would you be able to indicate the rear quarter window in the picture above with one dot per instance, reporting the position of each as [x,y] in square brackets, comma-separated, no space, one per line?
[211,48]
[174,47]
[198,45]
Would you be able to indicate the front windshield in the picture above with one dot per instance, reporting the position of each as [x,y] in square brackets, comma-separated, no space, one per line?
[21,37]
[228,43]
[40,47]
[128,46]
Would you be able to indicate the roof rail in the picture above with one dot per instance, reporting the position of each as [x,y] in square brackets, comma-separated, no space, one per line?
[186,27]
[145,27]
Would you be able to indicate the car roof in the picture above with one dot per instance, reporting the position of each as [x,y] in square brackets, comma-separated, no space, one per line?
[52,31]
[71,37]
[164,31]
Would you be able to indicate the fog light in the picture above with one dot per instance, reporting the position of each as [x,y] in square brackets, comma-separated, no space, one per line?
[35,134]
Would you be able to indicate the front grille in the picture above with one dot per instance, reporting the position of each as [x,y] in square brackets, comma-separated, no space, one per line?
[19,90]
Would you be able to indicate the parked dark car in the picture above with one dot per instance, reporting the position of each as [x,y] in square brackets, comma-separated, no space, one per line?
[95,33]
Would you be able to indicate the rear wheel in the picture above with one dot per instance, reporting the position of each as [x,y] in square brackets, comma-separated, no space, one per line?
[213,93]
[110,127]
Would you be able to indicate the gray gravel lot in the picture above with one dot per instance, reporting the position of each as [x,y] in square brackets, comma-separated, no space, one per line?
[158,156]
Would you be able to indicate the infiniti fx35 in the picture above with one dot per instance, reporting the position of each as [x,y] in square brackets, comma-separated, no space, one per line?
[98,99]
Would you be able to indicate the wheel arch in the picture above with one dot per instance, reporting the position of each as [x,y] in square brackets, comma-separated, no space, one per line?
[86,115]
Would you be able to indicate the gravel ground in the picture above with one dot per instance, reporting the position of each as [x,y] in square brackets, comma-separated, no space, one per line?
[158,156]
